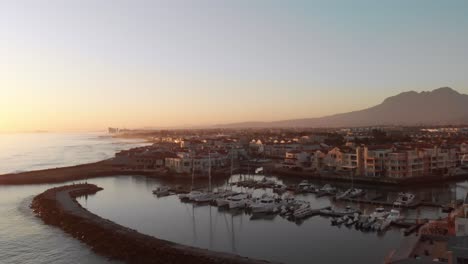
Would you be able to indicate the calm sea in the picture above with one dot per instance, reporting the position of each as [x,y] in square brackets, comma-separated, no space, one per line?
[23,237]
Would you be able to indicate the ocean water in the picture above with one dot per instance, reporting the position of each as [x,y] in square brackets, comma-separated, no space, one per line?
[23,237]
[35,151]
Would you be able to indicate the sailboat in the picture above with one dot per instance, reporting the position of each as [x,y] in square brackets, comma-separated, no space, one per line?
[222,200]
[207,196]
[351,192]
[192,194]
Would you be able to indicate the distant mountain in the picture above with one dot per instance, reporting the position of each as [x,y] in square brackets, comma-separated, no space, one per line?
[441,106]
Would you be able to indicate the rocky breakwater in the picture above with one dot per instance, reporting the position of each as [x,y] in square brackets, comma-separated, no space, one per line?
[58,207]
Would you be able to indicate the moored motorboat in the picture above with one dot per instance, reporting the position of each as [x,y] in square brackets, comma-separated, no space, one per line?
[379,213]
[222,199]
[303,211]
[393,216]
[404,199]
[354,192]
[205,198]
[266,204]
[161,191]
[238,201]
[191,196]
[304,186]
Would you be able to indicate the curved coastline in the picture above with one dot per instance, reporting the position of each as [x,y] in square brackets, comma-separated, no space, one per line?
[58,207]
[99,169]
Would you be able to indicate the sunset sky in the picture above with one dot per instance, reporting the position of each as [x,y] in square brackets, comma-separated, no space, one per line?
[85,65]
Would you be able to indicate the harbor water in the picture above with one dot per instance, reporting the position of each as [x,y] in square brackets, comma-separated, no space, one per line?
[129,201]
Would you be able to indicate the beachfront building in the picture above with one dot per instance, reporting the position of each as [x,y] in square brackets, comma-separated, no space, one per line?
[349,159]
[296,159]
[374,160]
[333,159]
[145,158]
[420,161]
[280,149]
[389,161]
[193,144]
[463,155]
[181,163]
[186,162]
[317,159]
[404,164]
[341,159]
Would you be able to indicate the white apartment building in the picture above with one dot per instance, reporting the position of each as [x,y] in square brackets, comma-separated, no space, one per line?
[186,162]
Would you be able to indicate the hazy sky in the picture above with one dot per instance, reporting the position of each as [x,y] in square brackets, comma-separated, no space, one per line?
[87,64]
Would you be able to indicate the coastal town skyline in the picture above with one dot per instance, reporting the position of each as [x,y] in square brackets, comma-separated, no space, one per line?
[139,64]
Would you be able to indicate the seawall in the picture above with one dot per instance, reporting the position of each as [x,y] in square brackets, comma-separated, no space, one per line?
[58,207]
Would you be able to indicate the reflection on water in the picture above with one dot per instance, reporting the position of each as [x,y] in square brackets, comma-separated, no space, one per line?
[25,239]
[129,202]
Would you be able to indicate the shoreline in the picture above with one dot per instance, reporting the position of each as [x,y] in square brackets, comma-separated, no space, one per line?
[86,171]
[58,207]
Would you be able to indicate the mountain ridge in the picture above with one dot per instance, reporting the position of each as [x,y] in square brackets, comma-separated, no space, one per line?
[441,106]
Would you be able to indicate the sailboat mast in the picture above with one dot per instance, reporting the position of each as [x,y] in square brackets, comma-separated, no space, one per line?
[193,173]
[209,171]
[232,162]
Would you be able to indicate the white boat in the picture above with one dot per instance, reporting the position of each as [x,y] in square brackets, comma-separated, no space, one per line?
[238,201]
[327,211]
[343,194]
[205,198]
[328,188]
[379,213]
[404,199]
[266,204]
[352,219]
[392,217]
[304,185]
[222,200]
[341,220]
[289,199]
[161,191]
[303,211]
[354,192]
[191,196]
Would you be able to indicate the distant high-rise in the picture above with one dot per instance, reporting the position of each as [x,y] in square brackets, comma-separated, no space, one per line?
[113,130]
